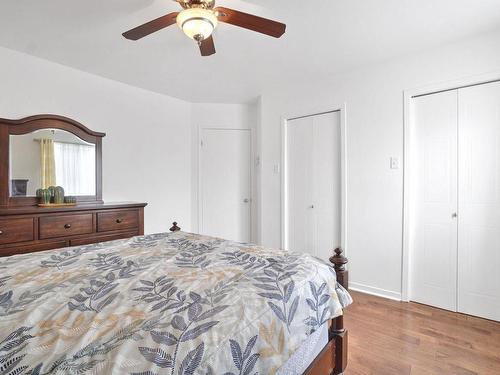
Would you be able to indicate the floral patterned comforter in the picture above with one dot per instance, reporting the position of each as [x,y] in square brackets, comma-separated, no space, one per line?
[172,303]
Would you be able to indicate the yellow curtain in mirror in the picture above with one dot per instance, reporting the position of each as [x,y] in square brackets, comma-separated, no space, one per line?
[48,163]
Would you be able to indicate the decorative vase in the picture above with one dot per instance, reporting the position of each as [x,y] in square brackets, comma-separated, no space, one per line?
[58,195]
[45,196]
[52,190]
[39,192]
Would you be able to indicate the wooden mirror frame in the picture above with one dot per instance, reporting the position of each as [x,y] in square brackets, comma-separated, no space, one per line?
[30,124]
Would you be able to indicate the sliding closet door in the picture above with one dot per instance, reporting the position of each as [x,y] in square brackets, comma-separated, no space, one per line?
[327,188]
[299,185]
[479,201]
[313,184]
[434,188]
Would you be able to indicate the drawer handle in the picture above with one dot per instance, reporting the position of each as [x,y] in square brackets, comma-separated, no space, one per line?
[119,221]
[67,226]
[1,232]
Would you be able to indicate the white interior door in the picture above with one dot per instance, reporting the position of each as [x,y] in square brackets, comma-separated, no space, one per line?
[313,184]
[434,192]
[225,184]
[479,201]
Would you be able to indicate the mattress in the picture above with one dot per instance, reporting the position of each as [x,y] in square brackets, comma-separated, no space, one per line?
[298,363]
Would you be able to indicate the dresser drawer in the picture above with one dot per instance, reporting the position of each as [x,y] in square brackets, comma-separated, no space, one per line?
[65,226]
[117,220]
[30,248]
[16,230]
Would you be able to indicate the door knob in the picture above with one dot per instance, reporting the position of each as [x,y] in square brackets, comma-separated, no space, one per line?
[454,215]
[311,206]
[246,200]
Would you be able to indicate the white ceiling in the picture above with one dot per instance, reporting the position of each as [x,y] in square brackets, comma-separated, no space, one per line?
[323,37]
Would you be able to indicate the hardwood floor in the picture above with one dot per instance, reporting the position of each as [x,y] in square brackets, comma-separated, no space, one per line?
[388,337]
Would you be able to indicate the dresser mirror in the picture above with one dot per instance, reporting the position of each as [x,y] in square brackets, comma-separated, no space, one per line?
[51,157]
[47,150]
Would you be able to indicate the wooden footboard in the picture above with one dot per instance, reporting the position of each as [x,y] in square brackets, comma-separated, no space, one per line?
[333,358]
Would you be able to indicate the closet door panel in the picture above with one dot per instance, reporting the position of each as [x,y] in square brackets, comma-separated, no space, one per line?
[299,185]
[434,192]
[479,201]
[327,187]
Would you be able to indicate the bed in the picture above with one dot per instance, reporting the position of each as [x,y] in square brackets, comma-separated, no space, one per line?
[171,303]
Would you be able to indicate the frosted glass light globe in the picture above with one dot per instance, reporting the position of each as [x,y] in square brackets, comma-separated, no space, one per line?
[197,23]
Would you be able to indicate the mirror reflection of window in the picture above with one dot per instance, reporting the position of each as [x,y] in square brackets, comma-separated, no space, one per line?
[51,157]
[69,157]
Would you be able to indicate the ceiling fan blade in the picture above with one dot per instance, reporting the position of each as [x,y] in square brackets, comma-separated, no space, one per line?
[207,47]
[151,27]
[251,22]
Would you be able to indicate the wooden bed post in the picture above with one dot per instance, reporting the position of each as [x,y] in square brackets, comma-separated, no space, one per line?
[175,228]
[339,261]
[337,331]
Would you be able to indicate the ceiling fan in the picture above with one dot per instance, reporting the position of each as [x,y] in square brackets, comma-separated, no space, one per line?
[198,20]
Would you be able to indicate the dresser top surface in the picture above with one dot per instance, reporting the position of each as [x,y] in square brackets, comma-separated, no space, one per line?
[22,210]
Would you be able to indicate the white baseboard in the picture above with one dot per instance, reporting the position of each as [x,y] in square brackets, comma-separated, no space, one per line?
[375,291]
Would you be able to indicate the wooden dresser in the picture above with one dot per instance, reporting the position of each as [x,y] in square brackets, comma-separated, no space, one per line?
[25,227]
[31,229]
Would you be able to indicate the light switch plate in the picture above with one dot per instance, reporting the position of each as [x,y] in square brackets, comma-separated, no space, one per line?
[394,163]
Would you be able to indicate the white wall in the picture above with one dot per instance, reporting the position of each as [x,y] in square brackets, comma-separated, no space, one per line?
[231,116]
[374,99]
[146,151]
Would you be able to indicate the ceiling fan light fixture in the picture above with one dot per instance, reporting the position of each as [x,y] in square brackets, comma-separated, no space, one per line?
[197,23]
